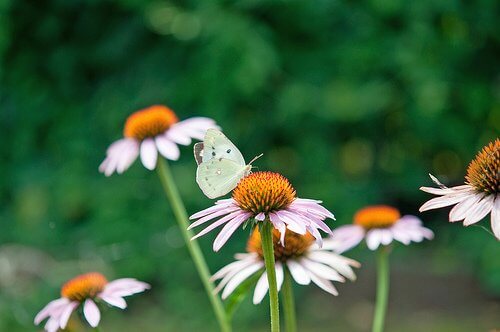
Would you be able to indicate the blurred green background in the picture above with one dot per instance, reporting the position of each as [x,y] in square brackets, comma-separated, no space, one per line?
[354,101]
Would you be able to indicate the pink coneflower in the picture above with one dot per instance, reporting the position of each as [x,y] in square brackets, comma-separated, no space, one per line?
[149,131]
[478,197]
[264,196]
[305,261]
[84,290]
[379,225]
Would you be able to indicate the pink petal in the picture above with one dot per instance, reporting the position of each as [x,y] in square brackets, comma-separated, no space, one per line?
[115,301]
[373,238]
[91,313]
[344,238]
[220,212]
[167,148]
[232,217]
[321,270]
[459,212]
[212,209]
[226,232]
[238,278]
[479,211]
[177,135]
[63,319]
[149,154]
[261,216]
[324,284]
[51,307]
[260,289]
[443,201]
[495,218]
[299,274]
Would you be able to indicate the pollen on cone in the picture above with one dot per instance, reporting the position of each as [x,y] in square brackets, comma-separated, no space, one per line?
[295,244]
[483,172]
[264,192]
[149,122]
[84,286]
[378,216]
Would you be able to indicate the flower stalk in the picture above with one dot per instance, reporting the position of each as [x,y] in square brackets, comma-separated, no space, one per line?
[181,216]
[289,303]
[266,232]
[382,289]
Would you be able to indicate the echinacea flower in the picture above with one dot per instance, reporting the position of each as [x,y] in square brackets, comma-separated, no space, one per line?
[379,225]
[304,259]
[84,290]
[478,197]
[264,197]
[149,131]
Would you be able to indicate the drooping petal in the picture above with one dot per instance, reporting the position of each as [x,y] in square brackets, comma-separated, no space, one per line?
[299,274]
[238,278]
[232,210]
[373,238]
[479,211]
[125,287]
[238,215]
[459,212]
[385,236]
[321,270]
[237,269]
[149,154]
[52,306]
[91,312]
[228,230]
[119,156]
[345,238]
[167,148]
[324,284]
[212,209]
[260,289]
[66,313]
[339,263]
[193,127]
[115,301]
[446,200]
[495,218]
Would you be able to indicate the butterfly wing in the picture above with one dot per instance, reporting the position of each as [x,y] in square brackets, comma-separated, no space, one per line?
[198,152]
[217,177]
[216,145]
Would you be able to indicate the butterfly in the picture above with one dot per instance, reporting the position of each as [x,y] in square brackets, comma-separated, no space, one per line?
[220,164]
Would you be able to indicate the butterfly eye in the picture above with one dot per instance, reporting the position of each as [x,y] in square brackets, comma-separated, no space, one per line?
[213,153]
[228,151]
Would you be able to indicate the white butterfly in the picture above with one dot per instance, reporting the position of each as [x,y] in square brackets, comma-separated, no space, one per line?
[220,164]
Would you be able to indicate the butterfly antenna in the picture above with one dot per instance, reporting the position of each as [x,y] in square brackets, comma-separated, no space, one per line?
[254,159]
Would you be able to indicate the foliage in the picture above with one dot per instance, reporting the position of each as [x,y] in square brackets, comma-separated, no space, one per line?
[354,101]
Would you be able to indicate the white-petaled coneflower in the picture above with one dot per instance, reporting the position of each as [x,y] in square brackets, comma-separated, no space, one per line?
[478,197]
[149,131]
[304,259]
[84,290]
[264,197]
[380,224]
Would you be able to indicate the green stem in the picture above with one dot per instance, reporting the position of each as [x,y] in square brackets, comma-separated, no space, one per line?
[289,303]
[266,232]
[179,210]
[382,289]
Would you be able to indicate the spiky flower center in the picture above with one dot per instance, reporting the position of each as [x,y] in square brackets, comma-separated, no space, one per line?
[149,122]
[263,192]
[483,172]
[295,244]
[377,216]
[84,286]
